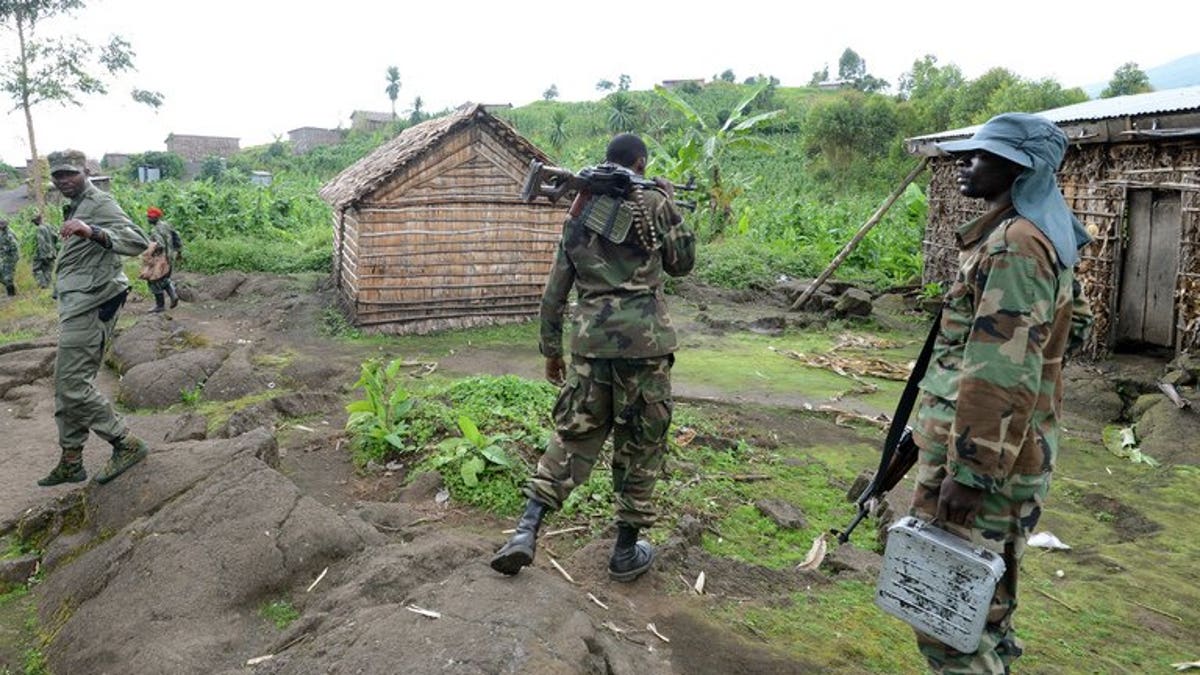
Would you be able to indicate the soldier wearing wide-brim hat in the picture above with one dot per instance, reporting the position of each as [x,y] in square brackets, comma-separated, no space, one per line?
[91,288]
[989,421]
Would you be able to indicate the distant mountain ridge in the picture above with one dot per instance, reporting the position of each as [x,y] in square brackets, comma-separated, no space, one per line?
[1182,72]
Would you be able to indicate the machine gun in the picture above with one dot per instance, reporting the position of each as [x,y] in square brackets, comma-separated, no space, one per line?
[554,182]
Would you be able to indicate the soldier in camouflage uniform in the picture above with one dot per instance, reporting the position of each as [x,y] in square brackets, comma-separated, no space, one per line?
[10,253]
[615,251]
[45,252]
[91,288]
[164,238]
[988,424]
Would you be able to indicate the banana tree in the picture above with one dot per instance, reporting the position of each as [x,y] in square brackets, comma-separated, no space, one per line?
[703,148]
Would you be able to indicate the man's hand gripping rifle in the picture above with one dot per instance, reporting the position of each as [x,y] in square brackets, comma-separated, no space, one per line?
[554,182]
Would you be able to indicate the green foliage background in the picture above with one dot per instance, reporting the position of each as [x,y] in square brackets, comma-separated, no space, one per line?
[784,204]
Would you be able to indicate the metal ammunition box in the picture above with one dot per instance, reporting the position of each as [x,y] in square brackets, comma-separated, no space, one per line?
[938,583]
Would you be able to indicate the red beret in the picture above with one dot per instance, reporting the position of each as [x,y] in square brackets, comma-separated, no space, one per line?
[154,212]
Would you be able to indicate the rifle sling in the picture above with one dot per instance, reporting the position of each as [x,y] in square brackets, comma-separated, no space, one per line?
[907,399]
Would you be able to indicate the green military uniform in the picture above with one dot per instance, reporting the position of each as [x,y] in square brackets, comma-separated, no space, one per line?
[992,404]
[165,236]
[621,347]
[44,255]
[10,253]
[91,288]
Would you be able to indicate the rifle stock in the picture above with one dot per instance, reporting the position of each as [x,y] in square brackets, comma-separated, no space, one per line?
[894,464]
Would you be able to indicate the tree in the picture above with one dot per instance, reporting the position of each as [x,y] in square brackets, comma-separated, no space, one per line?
[704,148]
[819,76]
[551,93]
[418,113]
[623,82]
[57,69]
[393,87]
[852,68]
[1128,79]
[726,76]
[623,112]
[605,85]
[930,91]
[850,125]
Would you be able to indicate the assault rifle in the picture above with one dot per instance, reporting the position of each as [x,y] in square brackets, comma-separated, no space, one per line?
[554,182]
[899,449]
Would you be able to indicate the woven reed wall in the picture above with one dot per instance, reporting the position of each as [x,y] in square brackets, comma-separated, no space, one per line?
[446,243]
[1094,180]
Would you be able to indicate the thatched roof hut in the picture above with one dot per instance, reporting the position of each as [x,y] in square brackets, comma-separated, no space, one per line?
[1132,175]
[430,232]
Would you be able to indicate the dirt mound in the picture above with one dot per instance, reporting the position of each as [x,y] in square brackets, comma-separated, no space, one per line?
[1169,434]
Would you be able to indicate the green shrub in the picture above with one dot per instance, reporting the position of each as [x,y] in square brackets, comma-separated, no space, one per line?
[378,423]
[478,470]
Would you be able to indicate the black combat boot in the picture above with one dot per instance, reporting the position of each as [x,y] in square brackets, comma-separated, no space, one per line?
[159,305]
[631,558]
[174,295]
[519,550]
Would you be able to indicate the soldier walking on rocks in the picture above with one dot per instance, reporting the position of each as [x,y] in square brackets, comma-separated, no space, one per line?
[165,241]
[616,251]
[91,289]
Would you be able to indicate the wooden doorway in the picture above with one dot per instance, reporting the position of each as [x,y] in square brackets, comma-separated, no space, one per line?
[1146,313]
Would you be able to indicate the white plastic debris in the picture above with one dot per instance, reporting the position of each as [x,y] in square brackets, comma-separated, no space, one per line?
[1047,540]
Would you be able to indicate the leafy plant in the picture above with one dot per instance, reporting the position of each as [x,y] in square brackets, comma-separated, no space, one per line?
[1122,442]
[191,395]
[932,291]
[473,453]
[280,612]
[478,470]
[378,423]
[704,148]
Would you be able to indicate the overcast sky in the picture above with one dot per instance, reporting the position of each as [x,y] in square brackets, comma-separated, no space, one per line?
[254,69]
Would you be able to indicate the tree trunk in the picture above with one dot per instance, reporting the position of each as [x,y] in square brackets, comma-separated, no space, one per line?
[35,171]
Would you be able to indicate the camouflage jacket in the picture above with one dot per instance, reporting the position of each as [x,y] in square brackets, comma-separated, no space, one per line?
[47,243]
[9,251]
[1007,322]
[622,311]
[89,273]
[161,234]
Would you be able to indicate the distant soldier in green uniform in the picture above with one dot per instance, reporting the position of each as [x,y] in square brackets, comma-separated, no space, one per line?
[45,252]
[615,252]
[91,289]
[988,424]
[166,243]
[10,253]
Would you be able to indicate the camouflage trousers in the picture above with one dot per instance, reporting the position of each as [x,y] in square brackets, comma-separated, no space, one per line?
[42,271]
[1005,521]
[160,286]
[78,405]
[629,398]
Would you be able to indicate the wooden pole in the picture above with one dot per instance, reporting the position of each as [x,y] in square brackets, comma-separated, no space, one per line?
[862,232]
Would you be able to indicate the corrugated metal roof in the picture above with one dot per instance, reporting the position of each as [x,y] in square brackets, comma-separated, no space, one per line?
[1168,100]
